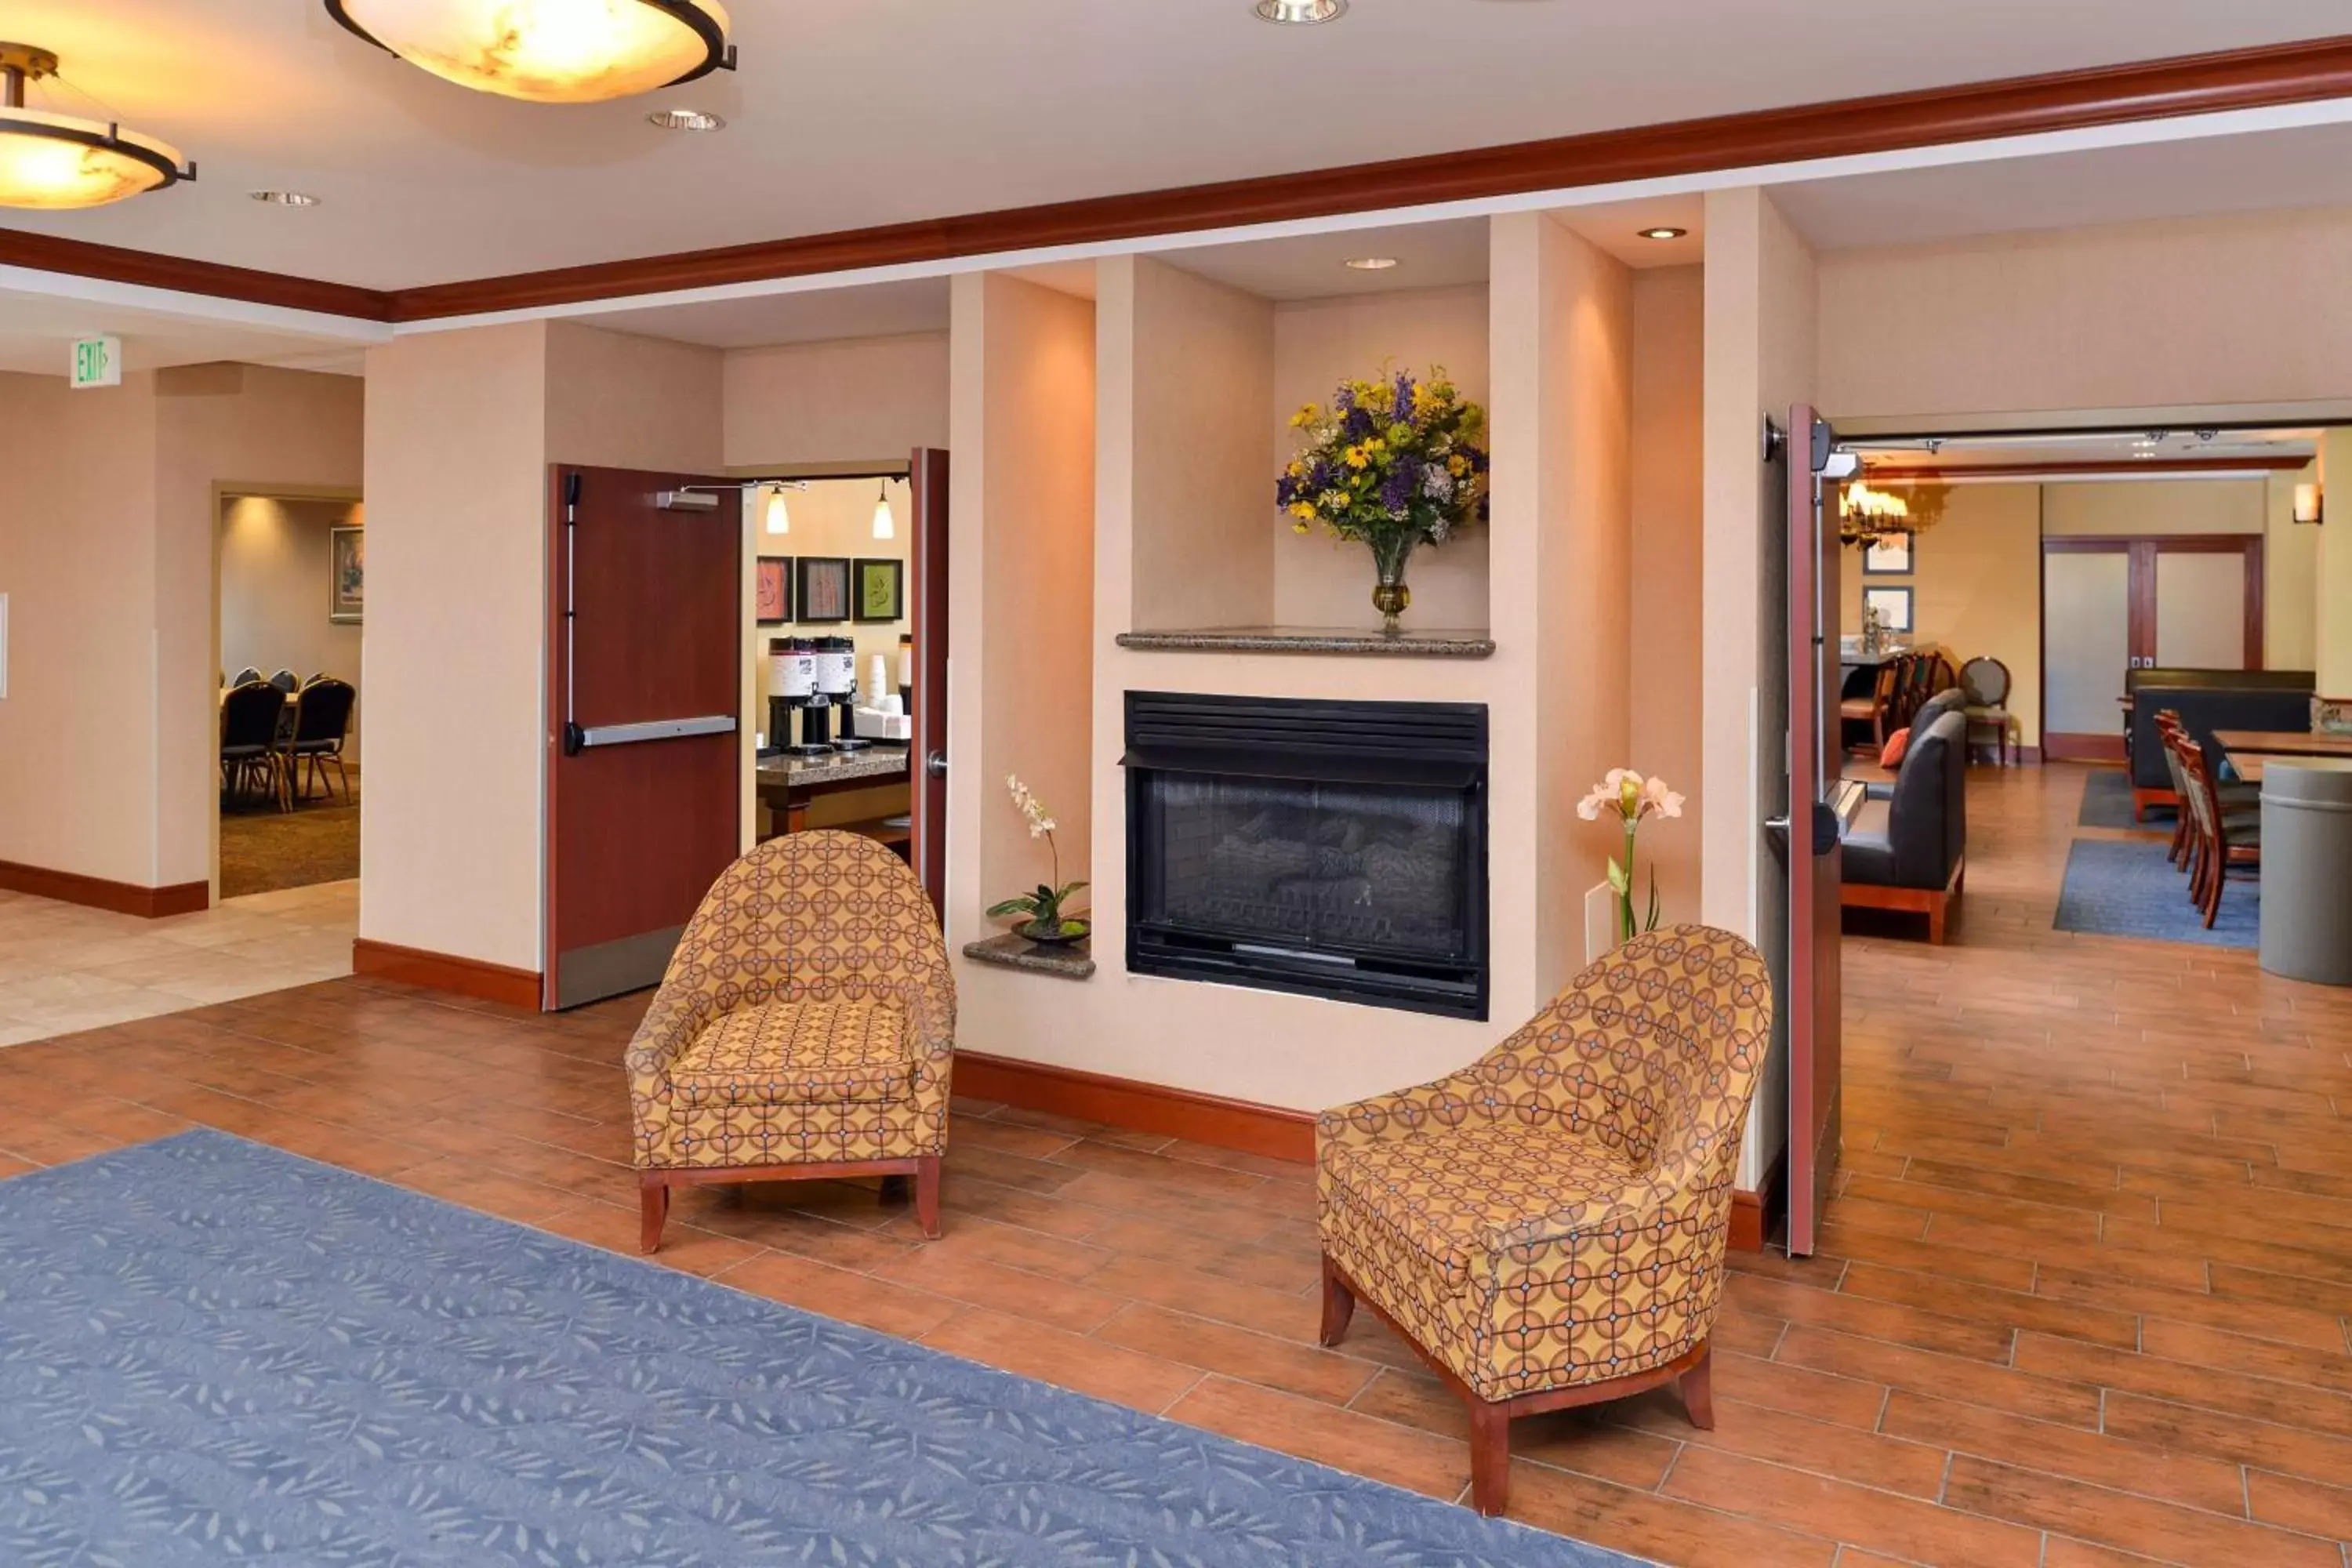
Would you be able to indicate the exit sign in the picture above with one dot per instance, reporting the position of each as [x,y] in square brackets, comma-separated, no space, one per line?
[97,361]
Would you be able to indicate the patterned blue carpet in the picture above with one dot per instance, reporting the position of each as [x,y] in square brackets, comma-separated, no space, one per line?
[214,1351]
[2107,803]
[2127,887]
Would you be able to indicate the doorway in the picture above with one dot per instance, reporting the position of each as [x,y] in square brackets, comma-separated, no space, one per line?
[288,608]
[2122,603]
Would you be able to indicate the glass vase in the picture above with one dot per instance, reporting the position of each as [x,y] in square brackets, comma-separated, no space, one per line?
[1390,595]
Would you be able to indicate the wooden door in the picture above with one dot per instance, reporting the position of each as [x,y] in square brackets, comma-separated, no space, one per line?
[2114,603]
[1817,805]
[928,477]
[644,747]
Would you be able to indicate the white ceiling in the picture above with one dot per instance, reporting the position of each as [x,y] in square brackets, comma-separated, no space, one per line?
[37,331]
[853,112]
[815,315]
[1315,266]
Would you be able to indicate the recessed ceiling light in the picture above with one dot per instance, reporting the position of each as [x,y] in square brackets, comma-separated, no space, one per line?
[1664,233]
[1301,12]
[284,198]
[686,119]
[1371,263]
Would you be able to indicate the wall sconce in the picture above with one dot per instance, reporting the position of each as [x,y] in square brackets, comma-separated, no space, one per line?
[2308,505]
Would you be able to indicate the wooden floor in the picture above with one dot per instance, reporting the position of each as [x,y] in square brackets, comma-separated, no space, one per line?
[2084,1304]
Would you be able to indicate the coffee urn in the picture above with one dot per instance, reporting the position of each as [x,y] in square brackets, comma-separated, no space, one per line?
[791,686]
[836,686]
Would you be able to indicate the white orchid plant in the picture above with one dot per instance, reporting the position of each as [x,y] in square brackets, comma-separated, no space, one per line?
[1047,919]
[1632,798]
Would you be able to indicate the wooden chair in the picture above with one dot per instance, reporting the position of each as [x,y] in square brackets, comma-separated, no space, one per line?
[1873,710]
[2224,839]
[805,1029]
[1986,682]
[1547,1227]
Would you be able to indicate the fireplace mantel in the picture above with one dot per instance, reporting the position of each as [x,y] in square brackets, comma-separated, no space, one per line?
[1408,644]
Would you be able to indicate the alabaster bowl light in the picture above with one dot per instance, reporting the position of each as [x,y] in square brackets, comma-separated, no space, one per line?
[549,52]
[53,163]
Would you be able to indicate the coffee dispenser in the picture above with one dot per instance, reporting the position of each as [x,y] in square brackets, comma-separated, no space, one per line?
[792,688]
[835,678]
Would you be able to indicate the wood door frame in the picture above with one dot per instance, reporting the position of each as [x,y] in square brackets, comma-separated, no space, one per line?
[928,554]
[2141,550]
[1815,763]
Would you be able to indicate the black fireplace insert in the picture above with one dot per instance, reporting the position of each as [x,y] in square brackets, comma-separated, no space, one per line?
[1334,849]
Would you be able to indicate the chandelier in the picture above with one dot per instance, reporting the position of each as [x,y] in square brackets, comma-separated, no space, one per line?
[549,52]
[1864,513]
[54,163]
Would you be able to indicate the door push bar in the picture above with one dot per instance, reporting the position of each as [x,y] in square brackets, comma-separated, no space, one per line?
[577,740]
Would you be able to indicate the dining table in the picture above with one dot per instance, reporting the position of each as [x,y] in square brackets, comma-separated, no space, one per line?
[2284,743]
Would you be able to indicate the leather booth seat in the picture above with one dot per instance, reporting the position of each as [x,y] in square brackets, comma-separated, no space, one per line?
[1907,849]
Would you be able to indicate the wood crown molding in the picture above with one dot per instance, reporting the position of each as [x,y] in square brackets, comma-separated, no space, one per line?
[2301,72]
[444,972]
[98,893]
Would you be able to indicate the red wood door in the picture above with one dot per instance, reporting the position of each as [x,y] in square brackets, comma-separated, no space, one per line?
[1817,803]
[644,745]
[928,477]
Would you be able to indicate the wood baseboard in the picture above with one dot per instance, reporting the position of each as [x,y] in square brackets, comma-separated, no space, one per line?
[1143,1107]
[98,893]
[444,972]
[1756,1215]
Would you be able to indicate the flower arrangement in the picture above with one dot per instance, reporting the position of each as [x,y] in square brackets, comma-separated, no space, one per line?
[1393,464]
[1632,798]
[1047,920]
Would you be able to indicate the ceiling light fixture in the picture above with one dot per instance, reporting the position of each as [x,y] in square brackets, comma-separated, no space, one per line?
[51,162]
[1301,13]
[779,520]
[686,119]
[1663,232]
[284,198]
[549,52]
[886,525]
[1371,263]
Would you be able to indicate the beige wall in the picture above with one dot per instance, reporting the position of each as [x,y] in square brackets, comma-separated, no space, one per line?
[2332,572]
[2290,577]
[275,560]
[2245,308]
[1323,582]
[1977,589]
[858,401]
[1666,572]
[1192,362]
[2167,505]
[615,400]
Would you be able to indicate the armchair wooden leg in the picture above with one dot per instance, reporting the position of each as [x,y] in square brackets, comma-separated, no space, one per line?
[1339,1305]
[1490,1456]
[927,1195]
[654,1197]
[1698,1392]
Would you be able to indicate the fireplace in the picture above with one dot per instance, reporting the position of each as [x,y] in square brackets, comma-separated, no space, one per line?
[1334,850]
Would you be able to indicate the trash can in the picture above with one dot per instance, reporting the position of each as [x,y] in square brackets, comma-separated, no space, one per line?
[2307,868]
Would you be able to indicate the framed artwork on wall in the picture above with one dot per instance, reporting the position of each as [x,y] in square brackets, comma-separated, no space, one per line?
[1893,605]
[1890,555]
[346,575]
[824,583]
[771,590]
[881,590]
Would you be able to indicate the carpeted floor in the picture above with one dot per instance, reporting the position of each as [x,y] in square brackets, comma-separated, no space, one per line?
[217,1351]
[2128,888]
[263,849]
[2107,803]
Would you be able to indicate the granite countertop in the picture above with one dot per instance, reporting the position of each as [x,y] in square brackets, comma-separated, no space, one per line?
[1011,951]
[842,767]
[1410,643]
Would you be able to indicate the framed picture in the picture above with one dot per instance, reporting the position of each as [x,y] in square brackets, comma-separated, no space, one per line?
[1889,555]
[881,590]
[824,582]
[346,575]
[771,590]
[1893,605]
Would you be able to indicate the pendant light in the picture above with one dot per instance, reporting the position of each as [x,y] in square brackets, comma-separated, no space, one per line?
[886,526]
[549,52]
[779,520]
[52,162]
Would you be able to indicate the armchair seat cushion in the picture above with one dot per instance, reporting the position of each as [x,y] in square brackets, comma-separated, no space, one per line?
[1453,1195]
[1869,844]
[850,1052]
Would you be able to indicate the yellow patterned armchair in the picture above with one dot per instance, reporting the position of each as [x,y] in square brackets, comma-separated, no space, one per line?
[1547,1227]
[805,1028]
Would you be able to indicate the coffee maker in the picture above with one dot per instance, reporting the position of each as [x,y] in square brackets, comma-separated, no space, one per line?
[836,686]
[792,688]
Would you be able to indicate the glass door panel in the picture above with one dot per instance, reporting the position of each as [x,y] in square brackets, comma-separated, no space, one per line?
[2086,638]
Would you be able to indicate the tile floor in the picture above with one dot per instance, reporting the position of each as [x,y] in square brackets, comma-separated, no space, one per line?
[2083,1301]
[63,968]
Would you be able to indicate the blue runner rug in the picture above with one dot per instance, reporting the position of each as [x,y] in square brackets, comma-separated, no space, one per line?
[2128,888]
[215,1351]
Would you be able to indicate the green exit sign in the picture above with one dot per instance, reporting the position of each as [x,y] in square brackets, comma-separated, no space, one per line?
[97,361]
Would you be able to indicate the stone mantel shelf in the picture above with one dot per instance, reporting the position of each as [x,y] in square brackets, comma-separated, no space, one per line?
[1410,643]
[1010,951]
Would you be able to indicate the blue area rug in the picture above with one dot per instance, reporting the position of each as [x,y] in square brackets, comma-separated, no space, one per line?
[2127,887]
[214,1351]
[2107,803]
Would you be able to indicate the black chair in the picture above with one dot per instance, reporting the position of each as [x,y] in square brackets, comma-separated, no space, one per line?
[1909,851]
[246,676]
[250,752]
[286,681]
[322,718]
